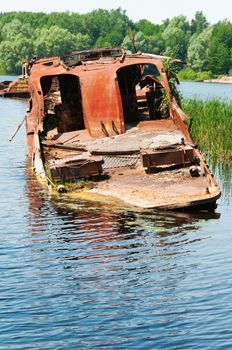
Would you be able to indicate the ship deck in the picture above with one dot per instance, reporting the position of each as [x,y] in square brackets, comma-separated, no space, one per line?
[167,186]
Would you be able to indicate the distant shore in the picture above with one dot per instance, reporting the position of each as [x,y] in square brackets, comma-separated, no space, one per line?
[223,80]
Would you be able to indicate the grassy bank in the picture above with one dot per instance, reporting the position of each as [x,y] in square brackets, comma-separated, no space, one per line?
[211,126]
[189,74]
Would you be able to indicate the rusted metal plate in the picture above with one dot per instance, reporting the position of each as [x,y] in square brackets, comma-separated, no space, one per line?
[76,169]
[177,155]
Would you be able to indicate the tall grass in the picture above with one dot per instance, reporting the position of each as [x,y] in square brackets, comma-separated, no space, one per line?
[211,126]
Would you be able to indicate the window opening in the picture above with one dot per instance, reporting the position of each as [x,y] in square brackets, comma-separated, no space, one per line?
[142,93]
[62,103]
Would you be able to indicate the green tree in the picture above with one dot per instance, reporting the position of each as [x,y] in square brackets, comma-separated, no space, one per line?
[102,42]
[218,58]
[219,52]
[153,35]
[16,45]
[176,37]
[54,41]
[112,39]
[197,50]
[13,29]
[13,53]
[100,23]
[148,28]
[82,42]
[139,42]
[25,33]
[199,23]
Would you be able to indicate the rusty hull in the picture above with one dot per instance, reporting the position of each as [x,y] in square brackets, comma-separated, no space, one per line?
[97,114]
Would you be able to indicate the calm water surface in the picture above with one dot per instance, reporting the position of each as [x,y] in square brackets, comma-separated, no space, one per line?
[90,276]
[206,90]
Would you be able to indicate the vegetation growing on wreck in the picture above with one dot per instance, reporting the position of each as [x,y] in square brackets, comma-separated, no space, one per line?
[74,185]
[171,71]
[69,185]
[210,126]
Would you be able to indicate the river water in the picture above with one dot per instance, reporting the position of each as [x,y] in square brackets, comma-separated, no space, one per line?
[91,276]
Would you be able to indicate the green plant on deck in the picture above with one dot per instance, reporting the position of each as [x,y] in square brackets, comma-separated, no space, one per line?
[70,184]
[171,73]
[76,184]
[164,104]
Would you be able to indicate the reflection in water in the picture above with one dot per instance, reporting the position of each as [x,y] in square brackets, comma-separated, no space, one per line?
[107,223]
[222,171]
[85,275]
[122,271]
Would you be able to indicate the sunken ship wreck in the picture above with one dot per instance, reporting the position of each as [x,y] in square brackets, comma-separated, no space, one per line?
[110,116]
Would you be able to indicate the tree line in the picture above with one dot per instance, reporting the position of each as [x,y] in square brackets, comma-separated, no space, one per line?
[207,48]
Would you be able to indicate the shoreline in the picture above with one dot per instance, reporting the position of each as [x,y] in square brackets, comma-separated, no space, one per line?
[223,80]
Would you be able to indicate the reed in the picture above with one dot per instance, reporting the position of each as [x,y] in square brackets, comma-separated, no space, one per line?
[210,126]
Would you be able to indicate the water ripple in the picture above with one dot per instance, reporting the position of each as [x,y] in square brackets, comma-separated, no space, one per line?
[84,275]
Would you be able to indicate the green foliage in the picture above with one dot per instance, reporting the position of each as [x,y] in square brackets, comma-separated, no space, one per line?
[101,23]
[22,34]
[188,74]
[176,37]
[199,23]
[82,42]
[164,104]
[16,45]
[54,41]
[211,126]
[16,28]
[219,52]
[139,42]
[83,183]
[196,51]
[152,35]
[171,72]
[218,57]
[148,28]
[204,75]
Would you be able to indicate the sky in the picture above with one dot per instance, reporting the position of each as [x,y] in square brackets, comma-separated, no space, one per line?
[152,10]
